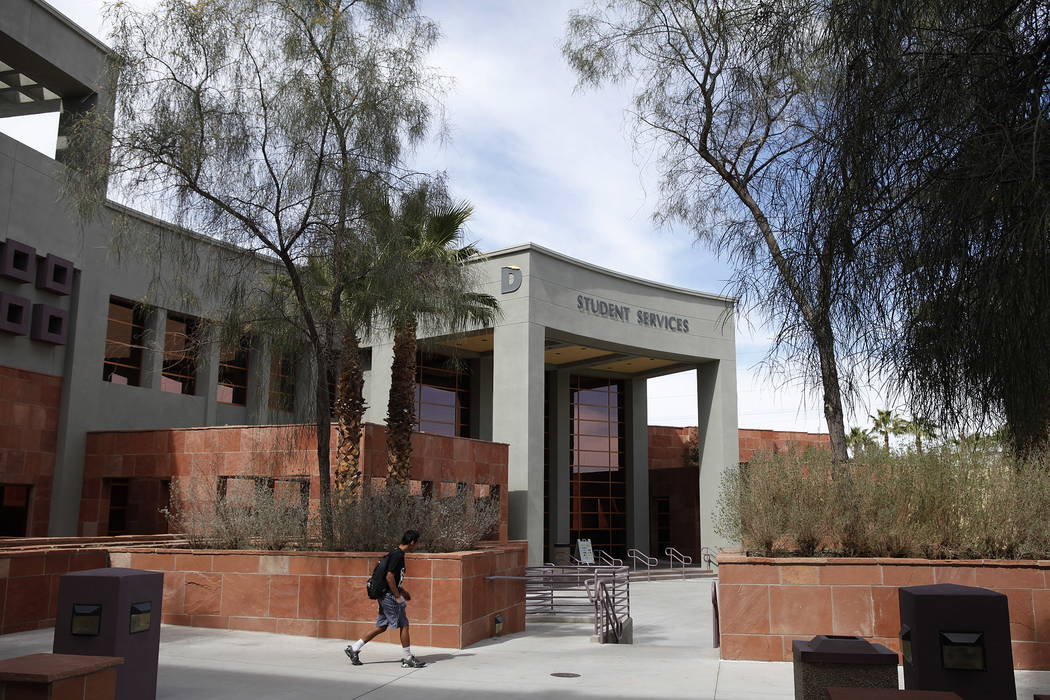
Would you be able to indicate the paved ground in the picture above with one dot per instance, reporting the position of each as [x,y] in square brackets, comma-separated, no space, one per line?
[671,657]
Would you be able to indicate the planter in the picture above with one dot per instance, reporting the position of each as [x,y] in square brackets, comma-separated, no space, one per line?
[29,583]
[766,603]
[322,594]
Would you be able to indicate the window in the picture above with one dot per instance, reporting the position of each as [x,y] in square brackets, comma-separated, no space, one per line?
[233,375]
[442,396]
[125,332]
[282,385]
[14,509]
[597,448]
[179,375]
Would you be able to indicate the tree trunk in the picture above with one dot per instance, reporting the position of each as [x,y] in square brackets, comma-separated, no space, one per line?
[401,409]
[349,412]
[323,428]
[829,375]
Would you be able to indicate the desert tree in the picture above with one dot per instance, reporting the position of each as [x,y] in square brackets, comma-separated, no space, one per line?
[257,123]
[733,96]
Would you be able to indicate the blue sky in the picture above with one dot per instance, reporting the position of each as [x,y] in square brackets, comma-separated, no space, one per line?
[545,163]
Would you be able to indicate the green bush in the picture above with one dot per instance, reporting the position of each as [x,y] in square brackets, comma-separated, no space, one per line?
[945,503]
[373,522]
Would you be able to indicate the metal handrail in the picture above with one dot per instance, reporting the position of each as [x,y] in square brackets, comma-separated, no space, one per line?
[610,608]
[606,559]
[674,555]
[708,557]
[638,556]
[555,590]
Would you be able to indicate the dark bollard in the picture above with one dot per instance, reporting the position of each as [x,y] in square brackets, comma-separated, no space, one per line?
[957,638]
[830,660]
[114,612]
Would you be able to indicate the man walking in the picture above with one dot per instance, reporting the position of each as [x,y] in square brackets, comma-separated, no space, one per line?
[392,603]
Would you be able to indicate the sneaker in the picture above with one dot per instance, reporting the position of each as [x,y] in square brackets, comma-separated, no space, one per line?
[412,662]
[355,656]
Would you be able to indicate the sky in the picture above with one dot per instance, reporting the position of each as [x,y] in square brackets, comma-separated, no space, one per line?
[545,163]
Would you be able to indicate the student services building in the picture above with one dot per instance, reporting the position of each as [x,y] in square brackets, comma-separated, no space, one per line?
[560,378]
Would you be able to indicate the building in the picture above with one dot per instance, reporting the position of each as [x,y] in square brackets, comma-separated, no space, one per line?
[560,378]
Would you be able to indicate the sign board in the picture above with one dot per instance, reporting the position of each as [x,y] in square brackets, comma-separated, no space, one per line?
[584,551]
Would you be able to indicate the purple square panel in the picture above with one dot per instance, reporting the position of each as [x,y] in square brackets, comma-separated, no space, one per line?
[50,324]
[18,261]
[55,274]
[15,314]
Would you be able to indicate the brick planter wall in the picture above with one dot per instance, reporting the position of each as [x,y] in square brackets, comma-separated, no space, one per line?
[322,594]
[765,603]
[29,584]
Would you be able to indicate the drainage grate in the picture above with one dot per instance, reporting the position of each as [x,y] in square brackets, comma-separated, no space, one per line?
[566,675]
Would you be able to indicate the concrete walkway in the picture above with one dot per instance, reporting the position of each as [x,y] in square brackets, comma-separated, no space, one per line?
[671,657]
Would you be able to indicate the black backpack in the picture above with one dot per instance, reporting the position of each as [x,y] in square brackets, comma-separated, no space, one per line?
[377,585]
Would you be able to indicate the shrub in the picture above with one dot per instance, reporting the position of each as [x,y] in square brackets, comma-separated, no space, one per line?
[375,521]
[943,503]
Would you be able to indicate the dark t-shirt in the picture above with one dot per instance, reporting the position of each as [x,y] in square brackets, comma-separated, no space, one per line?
[395,564]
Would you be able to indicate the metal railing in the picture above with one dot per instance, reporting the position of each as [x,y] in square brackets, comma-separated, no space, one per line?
[637,557]
[709,557]
[674,555]
[606,560]
[560,590]
[610,592]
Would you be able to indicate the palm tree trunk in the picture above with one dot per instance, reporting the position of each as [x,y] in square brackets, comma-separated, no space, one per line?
[401,409]
[349,411]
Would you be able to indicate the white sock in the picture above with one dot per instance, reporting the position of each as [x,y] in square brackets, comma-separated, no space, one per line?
[406,652]
[356,646]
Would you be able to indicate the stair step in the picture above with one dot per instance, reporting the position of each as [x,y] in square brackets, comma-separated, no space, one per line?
[669,574]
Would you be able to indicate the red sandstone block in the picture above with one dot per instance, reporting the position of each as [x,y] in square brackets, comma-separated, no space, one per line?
[907,575]
[253,624]
[245,595]
[68,689]
[56,562]
[805,574]
[421,607]
[447,597]
[313,565]
[1041,606]
[743,609]
[756,647]
[153,562]
[302,628]
[354,604]
[212,621]
[852,610]
[318,598]
[1031,656]
[355,566]
[961,575]
[1009,577]
[886,610]
[175,592]
[850,574]
[26,565]
[800,609]
[193,562]
[1022,613]
[447,568]
[236,563]
[446,636]
[284,596]
[203,593]
[337,629]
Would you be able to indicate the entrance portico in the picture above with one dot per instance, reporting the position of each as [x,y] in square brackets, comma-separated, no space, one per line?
[561,378]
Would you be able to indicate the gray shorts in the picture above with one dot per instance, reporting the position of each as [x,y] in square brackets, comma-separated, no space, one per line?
[391,613]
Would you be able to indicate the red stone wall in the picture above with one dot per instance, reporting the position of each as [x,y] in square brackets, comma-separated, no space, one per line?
[765,604]
[28,434]
[668,445]
[196,456]
[322,594]
[752,441]
[29,584]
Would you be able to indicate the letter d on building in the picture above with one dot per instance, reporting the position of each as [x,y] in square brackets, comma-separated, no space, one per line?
[510,279]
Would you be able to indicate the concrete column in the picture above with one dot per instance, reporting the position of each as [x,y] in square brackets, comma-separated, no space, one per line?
[153,357]
[718,439]
[208,374]
[377,384]
[637,427]
[483,384]
[517,420]
[258,403]
[561,474]
[70,445]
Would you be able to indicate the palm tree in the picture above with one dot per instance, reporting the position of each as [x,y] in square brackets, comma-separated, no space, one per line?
[886,423]
[921,428]
[426,257]
[859,439]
